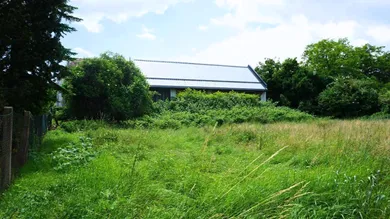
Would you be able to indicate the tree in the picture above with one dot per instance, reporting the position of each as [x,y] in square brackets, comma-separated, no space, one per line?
[31,51]
[291,84]
[374,62]
[108,86]
[349,98]
[268,70]
[331,59]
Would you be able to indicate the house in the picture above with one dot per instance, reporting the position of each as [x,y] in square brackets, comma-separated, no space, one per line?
[169,78]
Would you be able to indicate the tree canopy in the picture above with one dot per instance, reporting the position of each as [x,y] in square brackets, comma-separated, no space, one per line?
[31,52]
[107,87]
[331,72]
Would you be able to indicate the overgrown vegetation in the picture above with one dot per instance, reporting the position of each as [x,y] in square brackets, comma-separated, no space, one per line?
[322,169]
[197,108]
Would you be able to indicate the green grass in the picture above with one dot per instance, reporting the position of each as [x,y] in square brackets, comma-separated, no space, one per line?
[320,169]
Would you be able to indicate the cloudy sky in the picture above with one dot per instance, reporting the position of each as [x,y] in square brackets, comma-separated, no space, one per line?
[236,32]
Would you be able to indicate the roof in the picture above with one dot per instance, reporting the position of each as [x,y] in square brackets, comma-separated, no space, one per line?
[200,76]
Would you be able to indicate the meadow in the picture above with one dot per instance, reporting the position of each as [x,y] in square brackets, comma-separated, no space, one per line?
[312,169]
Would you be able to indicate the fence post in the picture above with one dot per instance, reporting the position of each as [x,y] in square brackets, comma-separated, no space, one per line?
[6,148]
[24,142]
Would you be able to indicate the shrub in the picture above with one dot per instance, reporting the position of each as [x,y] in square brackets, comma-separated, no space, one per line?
[378,116]
[349,98]
[107,87]
[264,114]
[196,101]
[384,100]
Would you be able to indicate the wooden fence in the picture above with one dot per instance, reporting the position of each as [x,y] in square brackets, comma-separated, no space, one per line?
[19,134]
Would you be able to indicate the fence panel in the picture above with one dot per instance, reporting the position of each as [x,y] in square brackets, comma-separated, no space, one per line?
[6,148]
[19,134]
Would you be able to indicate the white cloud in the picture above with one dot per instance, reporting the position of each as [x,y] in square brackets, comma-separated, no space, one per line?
[147,34]
[288,39]
[93,12]
[380,33]
[203,27]
[283,29]
[243,12]
[82,53]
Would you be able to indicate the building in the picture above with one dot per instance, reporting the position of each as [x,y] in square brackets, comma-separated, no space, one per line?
[169,78]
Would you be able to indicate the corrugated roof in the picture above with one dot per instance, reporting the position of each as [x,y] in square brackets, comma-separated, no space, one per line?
[201,76]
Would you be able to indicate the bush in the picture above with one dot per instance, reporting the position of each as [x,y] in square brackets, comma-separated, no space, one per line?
[107,87]
[198,108]
[384,100]
[349,98]
[197,101]
[378,116]
[264,114]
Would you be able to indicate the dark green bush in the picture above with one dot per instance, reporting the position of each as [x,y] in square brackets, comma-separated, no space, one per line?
[109,87]
[349,98]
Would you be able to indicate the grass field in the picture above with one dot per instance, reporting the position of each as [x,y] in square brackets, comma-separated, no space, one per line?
[321,169]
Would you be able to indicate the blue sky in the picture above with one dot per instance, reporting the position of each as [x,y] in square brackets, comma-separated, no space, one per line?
[235,32]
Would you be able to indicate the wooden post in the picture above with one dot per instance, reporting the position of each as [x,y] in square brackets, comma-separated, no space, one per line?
[6,148]
[25,139]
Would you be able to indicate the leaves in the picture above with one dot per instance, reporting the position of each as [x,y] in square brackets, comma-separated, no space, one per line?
[73,155]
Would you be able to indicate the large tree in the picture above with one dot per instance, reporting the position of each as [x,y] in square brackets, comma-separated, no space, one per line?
[109,87]
[31,52]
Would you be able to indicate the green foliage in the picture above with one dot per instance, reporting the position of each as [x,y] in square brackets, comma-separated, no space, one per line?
[31,51]
[73,155]
[330,58]
[330,169]
[291,84]
[299,85]
[107,87]
[349,98]
[384,101]
[197,108]
[262,115]
[378,116]
[195,101]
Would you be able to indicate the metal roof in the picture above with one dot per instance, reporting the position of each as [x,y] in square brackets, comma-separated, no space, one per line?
[201,76]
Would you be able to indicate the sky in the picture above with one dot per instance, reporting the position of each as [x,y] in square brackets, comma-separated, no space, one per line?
[232,32]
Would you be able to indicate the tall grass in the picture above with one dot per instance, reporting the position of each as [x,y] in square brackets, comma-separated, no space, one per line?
[322,169]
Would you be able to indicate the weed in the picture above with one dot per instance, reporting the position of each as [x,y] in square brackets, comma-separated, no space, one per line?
[73,155]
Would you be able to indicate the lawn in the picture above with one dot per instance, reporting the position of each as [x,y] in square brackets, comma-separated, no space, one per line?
[317,169]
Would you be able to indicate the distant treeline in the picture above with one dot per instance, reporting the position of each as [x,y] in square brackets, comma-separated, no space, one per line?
[333,79]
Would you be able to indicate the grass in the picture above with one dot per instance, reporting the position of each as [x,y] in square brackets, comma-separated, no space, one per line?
[319,169]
